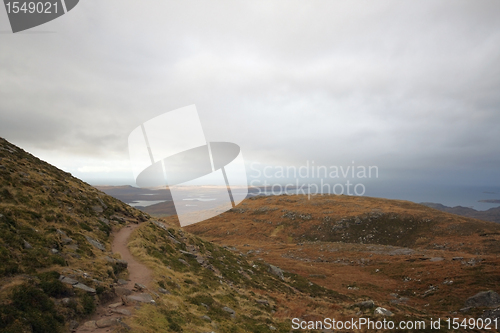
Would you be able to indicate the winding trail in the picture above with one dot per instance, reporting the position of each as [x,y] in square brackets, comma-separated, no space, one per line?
[138,273]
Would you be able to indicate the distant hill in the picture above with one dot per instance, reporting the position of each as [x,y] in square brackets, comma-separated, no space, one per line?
[492,214]
[407,257]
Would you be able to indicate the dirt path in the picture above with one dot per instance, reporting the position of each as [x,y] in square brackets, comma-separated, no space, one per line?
[138,273]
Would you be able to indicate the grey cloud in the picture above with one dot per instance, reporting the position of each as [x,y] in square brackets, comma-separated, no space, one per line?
[397,84]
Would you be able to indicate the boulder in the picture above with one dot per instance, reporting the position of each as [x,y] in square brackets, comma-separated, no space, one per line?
[488,299]
[365,304]
[382,312]
[67,280]
[276,271]
[95,243]
[229,310]
[120,291]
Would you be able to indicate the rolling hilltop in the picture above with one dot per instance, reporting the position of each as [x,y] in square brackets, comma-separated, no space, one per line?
[409,258]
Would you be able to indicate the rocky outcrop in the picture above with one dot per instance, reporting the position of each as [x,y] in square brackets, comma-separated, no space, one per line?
[488,299]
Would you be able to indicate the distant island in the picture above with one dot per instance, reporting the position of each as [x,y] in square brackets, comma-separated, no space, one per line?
[492,214]
[493,201]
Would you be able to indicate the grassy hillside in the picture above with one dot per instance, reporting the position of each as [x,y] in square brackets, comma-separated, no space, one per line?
[52,224]
[55,228]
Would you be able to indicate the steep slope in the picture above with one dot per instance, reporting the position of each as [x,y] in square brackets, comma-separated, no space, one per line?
[53,225]
[61,267]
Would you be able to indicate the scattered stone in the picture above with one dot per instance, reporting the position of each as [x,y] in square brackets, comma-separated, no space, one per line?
[207,318]
[67,240]
[382,312]
[457,258]
[95,243]
[163,291]
[184,262]
[104,220]
[229,310]
[124,312]
[122,282]
[483,299]
[436,259]
[115,305]
[276,271]
[89,325]
[140,287]
[67,280]
[430,291]
[84,288]
[64,238]
[272,328]
[263,301]
[54,251]
[141,298]
[205,306]
[109,259]
[200,260]
[120,291]
[27,245]
[106,322]
[365,304]
[400,300]
[122,263]
[188,253]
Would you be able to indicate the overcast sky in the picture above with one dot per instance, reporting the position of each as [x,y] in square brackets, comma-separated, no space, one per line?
[412,87]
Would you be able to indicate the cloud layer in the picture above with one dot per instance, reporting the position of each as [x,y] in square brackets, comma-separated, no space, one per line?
[411,87]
